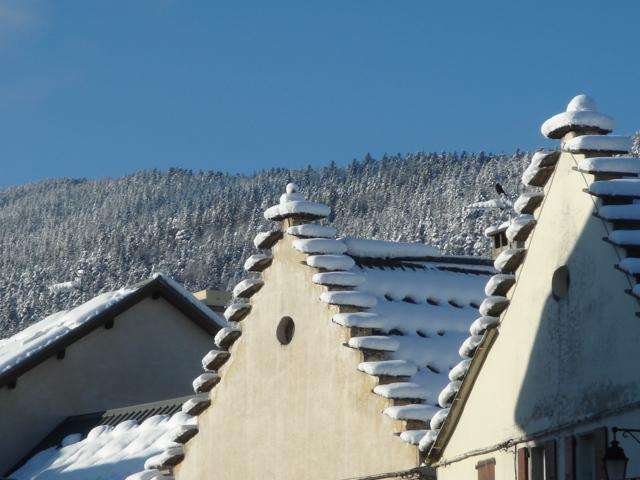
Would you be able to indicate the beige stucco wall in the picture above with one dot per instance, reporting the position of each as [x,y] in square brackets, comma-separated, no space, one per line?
[466,470]
[152,353]
[505,468]
[301,411]
[554,361]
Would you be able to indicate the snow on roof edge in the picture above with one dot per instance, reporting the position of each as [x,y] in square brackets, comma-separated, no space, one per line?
[101,448]
[190,297]
[34,339]
[370,248]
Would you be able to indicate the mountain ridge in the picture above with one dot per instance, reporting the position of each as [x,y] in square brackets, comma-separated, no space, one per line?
[198,226]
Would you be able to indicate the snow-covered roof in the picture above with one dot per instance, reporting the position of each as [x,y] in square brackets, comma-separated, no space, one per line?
[37,342]
[581,114]
[111,452]
[422,314]
[419,306]
[361,247]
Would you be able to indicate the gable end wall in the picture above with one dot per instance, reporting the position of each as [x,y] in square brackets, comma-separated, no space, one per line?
[553,361]
[296,411]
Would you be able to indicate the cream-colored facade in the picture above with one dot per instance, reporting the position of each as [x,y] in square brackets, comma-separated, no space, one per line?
[294,411]
[562,371]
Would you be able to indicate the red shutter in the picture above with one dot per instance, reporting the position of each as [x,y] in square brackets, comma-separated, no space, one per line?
[550,472]
[523,464]
[600,446]
[569,458]
[486,469]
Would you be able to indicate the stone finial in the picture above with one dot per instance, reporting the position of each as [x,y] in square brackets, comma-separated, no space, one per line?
[291,194]
[581,117]
[292,204]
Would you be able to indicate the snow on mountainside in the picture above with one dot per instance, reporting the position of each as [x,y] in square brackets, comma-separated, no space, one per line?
[198,226]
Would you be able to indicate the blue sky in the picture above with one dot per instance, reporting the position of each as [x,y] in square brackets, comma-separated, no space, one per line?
[104,88]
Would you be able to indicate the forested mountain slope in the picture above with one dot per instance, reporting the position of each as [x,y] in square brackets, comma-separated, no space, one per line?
[199,226]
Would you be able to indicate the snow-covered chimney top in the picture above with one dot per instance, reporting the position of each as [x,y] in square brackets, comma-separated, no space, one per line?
[581,117]
[292,204]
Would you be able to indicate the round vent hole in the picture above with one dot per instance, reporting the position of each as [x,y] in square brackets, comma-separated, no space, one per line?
[286,329]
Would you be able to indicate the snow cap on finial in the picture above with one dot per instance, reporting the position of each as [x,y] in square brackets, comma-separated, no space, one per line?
[582,103]
[292,204]
[291,193]
[581,116]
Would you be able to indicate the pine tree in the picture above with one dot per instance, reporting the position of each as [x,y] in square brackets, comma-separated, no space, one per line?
[199,226]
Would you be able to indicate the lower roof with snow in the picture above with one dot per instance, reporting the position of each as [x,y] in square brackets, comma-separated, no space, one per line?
[424,301]
[421,317]
[110,445]
[42,340]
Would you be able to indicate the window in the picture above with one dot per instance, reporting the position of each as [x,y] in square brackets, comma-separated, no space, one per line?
[486,469]
[536,463]
[285,330]
[585,458]
[583,455]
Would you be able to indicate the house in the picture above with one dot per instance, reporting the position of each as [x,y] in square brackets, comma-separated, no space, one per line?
[349,358]
[337,357]
[554,385]
[124,355]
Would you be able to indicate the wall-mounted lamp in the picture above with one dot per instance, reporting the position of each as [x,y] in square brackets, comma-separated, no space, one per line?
[615,461]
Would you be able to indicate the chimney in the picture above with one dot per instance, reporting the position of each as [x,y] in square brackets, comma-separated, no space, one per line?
[216,300]
[498,236]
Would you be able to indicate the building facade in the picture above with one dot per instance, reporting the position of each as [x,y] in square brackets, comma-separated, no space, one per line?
[556,371]
[133,346]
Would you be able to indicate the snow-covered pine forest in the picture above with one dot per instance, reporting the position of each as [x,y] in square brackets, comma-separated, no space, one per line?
[99,235]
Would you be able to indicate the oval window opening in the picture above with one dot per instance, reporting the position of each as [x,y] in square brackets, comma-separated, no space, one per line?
[286,329]
[560,283]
